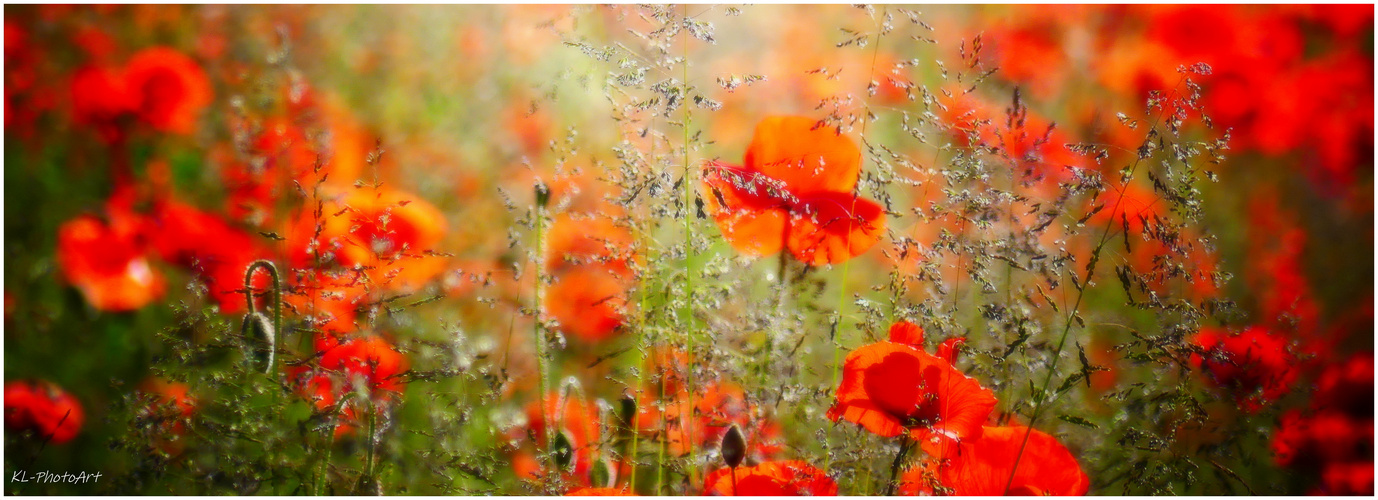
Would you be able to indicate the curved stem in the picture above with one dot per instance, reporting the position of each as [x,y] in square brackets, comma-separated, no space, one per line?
[276,288]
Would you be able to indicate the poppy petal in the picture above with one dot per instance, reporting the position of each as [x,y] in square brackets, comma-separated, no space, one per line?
[830,228]
[983,466]
[908,333]
[948,350]
[806,157]
[748,207]
[869,416]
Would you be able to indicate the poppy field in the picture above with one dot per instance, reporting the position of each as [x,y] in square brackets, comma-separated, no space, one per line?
[689,250]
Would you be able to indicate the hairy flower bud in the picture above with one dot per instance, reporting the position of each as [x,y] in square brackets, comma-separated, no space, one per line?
[733,447]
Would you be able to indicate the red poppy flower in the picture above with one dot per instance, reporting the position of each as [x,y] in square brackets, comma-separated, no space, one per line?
[589,304]
[983,466]
[106,262]
[783,478]
[167,88]
[795,191]
[575,433]
[599,492]
[718,405]
[172,407]
[1351,478]
[205,243]
[1347,386]
[43,407]
[388,233]
[588,260]
[1031,144]
[895,387]
[1327,436]
[1254,364]
[100,98]
[324,391]
[371,358]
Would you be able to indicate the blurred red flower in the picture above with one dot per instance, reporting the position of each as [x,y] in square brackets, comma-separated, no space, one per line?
[782,478]
[1308,441]
[589,263]
[389,234]
[158,86]
[573,437]
[895,387]
[43,407]
[1351,478]
[208,245]
[105,260]
[796,191]
[983,466]
[1254,365]
[167,88]
[101,99]
[371,359]
[171,408]
[717,406]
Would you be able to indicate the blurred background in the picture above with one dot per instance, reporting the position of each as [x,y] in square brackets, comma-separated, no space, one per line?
[153,152]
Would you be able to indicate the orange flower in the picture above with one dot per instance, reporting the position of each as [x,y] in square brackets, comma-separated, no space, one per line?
[1032,145]
[587,303]
[107,263]
[795,192]
[783,478]
[894,387]
[386,232]
[718,405]
[370,358]
[588,260]
[171,409]
[168,89]
[575,434]
[324,392]
[43,407]
[983,466]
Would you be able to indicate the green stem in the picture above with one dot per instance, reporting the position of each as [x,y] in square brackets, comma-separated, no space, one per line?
[846,265]
[541,368]
[905,445]
[688,266]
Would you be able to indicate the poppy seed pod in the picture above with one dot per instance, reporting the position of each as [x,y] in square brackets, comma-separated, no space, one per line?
[733,447]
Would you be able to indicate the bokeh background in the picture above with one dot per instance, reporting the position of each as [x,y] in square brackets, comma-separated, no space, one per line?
[153,152]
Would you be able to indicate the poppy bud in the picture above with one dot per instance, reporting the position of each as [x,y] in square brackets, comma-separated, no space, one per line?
[368,485]
[563,449]
[258,337]
[627,412]
[542,194]
[603,474]
[733,447]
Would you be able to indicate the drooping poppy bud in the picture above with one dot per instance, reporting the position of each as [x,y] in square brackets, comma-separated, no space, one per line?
[259,337]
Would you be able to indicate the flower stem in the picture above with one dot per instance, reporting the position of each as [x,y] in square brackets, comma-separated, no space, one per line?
[905,445]
[547,459]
